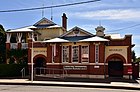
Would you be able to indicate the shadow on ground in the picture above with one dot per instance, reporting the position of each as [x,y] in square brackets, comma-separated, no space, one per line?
[89,80]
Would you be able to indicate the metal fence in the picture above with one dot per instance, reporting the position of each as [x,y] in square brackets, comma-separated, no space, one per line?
[50,72]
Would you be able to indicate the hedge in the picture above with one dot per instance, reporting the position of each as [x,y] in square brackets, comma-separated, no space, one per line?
[11,70]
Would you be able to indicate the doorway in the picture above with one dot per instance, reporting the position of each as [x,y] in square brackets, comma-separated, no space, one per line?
[115,68]
[40,63]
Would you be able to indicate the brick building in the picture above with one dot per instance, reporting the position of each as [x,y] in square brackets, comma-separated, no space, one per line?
[77,51]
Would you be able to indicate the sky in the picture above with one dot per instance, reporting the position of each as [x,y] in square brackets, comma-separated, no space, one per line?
[117,16]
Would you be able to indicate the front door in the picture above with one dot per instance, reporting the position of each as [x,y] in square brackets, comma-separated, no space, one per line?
[115,68]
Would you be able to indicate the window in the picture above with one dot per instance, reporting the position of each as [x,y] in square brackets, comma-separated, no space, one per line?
[23,39]
[35,37]
[85,53]
[65,50]
[53,52]
[75,54]
[13,38]
[96,53]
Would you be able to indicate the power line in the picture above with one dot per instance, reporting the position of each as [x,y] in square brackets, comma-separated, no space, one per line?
[44,7]
[125,28]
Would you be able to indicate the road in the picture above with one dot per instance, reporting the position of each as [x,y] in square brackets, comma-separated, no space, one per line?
[24,88]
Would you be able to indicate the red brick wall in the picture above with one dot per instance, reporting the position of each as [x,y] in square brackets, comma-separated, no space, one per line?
[79,53]
[7,46]
[70,54]
[96,71]
[129,55]
[90,67]
[91,53]
[101,53]
[120,42]
[29,55]
[91,70]
[49,53]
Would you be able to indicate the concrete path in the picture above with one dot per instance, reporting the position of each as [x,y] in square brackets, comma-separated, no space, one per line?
[119,85]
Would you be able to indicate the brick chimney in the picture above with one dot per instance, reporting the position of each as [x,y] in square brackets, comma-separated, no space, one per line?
[64,21]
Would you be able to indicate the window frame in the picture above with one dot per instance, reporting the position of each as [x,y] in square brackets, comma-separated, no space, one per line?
[83,53]
[63,53]
[53,52]
[72,53]
[97,53]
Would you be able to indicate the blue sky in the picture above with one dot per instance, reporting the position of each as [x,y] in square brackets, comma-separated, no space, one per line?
[113,14]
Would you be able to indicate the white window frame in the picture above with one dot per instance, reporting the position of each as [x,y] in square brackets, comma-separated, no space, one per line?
[82,53]
[72,53]
[63,54]
[53,52]
[96,53]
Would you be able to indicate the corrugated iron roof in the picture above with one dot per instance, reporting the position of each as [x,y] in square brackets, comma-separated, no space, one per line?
[93,39]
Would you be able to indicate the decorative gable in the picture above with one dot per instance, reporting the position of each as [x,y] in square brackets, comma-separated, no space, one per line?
[44,21]
[76,31]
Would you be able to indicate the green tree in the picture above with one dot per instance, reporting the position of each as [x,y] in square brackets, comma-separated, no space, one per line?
[2,45]
[138,59]
[18,56]
[133,56]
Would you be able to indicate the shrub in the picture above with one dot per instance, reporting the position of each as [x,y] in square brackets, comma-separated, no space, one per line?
[11,70]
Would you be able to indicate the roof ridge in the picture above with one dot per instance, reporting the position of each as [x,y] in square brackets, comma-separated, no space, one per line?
[49,21]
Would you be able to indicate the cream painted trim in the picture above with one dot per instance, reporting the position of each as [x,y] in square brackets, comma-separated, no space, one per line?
[123,51]
[74,64]
[8,36]
[53,63]
[79,64]
[127,64]
[30,63]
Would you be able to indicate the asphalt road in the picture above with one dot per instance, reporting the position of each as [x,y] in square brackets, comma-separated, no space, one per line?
[24,88]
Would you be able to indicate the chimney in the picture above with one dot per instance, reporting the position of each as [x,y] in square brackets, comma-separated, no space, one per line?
[64,21]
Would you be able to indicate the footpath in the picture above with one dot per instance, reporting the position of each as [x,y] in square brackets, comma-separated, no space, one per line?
[92,83]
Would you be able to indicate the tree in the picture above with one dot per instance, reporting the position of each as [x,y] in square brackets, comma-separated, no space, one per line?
[17,56]
[2,45]
[138,59]
[133,56]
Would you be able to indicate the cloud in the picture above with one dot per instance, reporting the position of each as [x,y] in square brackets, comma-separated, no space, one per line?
[110,14]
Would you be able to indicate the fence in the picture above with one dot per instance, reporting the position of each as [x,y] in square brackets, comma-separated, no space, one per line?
[50,72]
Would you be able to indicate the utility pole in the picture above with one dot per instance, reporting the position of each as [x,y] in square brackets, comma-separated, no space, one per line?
[32,63]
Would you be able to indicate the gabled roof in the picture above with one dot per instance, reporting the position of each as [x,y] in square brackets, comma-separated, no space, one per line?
[44,21]
[23,29]
[93,39]
[56,40]
[77,39]
[77,28]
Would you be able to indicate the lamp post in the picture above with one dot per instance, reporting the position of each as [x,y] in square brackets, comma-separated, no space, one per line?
[32,63]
